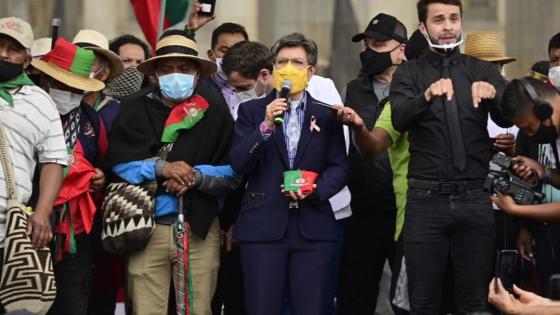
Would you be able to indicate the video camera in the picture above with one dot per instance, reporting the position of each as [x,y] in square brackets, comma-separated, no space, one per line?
[506,182]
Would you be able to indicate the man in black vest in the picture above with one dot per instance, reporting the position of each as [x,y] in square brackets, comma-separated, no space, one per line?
[369,232]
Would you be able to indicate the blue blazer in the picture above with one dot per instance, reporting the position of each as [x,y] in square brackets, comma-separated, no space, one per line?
[263,162]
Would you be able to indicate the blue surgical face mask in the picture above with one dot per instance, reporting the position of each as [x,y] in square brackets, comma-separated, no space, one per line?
[177,86]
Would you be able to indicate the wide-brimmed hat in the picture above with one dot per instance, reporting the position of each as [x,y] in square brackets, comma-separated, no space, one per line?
[41,47]
[17,29]
[383,27]
[97,42]
[486,46]
[71,65]
[178,46]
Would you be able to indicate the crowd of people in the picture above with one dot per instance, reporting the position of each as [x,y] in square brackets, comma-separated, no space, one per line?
[266,191]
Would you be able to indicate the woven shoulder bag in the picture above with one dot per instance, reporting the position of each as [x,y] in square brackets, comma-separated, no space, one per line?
[128,214]
[28,280]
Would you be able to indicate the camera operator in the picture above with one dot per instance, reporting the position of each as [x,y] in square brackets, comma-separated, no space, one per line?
[535,109]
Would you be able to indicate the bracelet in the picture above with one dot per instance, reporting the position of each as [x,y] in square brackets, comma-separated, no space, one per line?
[189,33]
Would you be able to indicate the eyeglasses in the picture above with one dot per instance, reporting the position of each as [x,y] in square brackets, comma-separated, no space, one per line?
[298,63]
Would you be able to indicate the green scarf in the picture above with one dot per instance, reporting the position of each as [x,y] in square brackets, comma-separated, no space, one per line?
[14,83]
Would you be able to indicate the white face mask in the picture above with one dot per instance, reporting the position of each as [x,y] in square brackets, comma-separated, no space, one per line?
[247,95]
[250,94]
[554,76]
[65,101]
[445,47]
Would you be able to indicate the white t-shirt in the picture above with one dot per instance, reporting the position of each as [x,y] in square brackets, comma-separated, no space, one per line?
[34,133]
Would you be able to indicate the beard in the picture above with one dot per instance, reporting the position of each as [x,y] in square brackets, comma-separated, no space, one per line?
[437,40]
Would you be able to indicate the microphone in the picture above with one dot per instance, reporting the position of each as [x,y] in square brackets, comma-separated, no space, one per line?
[285,89]
[55,24]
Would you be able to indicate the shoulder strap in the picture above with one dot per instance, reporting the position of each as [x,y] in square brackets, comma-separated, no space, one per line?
[379,107]
[555,152]
[104,102]
[7,164]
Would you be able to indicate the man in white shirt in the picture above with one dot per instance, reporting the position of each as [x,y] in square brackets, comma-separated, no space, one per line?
[33,129]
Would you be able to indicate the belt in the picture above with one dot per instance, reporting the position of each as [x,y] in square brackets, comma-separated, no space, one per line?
[446,188]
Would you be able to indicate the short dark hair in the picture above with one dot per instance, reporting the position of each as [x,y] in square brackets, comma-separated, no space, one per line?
[247,58]
[116,44]
[228,28]
[554,42]
[516,99]
[422,7]
[297,40]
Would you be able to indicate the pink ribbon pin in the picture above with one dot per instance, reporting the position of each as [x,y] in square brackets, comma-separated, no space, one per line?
[313,125]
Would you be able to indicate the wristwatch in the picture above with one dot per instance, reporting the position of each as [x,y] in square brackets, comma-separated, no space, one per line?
[547,175]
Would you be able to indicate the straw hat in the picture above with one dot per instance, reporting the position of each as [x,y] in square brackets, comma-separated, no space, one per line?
[97,42]
[174,46]
[41,47]
[486,46]
[70,65]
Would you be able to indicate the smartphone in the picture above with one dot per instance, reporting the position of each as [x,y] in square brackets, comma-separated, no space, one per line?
[208,7]
[255,198]
[554,287]
[507,268]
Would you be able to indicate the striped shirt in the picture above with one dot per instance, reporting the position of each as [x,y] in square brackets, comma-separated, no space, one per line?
[34,133]
[300,115]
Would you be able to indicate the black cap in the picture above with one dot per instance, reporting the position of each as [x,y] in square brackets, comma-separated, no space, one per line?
[383,27]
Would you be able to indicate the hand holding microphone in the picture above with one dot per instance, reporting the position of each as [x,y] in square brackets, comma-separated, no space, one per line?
[275,110]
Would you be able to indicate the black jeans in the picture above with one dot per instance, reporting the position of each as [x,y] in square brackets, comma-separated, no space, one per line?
[459,226]
[73,280]
[368,243]
[547,253]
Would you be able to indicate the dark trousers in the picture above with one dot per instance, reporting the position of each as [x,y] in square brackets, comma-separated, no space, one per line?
[459,226]
[447,302]
[330,302]
[230,291]
[368,243]
[294,262]
[73,280]
[547,253]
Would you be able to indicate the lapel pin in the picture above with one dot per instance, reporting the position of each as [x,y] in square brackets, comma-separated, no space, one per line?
[313,125]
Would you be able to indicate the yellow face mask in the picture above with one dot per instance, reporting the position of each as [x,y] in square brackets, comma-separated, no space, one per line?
[298,77]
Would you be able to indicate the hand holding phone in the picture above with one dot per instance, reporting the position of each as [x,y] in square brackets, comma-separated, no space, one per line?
[208,7]
[507,268]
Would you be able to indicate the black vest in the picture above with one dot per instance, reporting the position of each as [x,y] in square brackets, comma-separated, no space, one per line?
[371,179]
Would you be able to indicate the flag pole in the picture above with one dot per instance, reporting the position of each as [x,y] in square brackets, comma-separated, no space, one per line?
[161,18]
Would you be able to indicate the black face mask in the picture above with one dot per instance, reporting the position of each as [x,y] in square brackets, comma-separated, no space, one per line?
[9,70]
[545,134]
[374,63]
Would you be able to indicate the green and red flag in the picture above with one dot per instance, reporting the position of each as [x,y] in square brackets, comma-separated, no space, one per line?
[148,15]
[295,180]
[183,116]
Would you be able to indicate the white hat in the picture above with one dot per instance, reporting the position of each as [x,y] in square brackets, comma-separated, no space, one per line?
[41,47]
[17,29]
[97,42]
